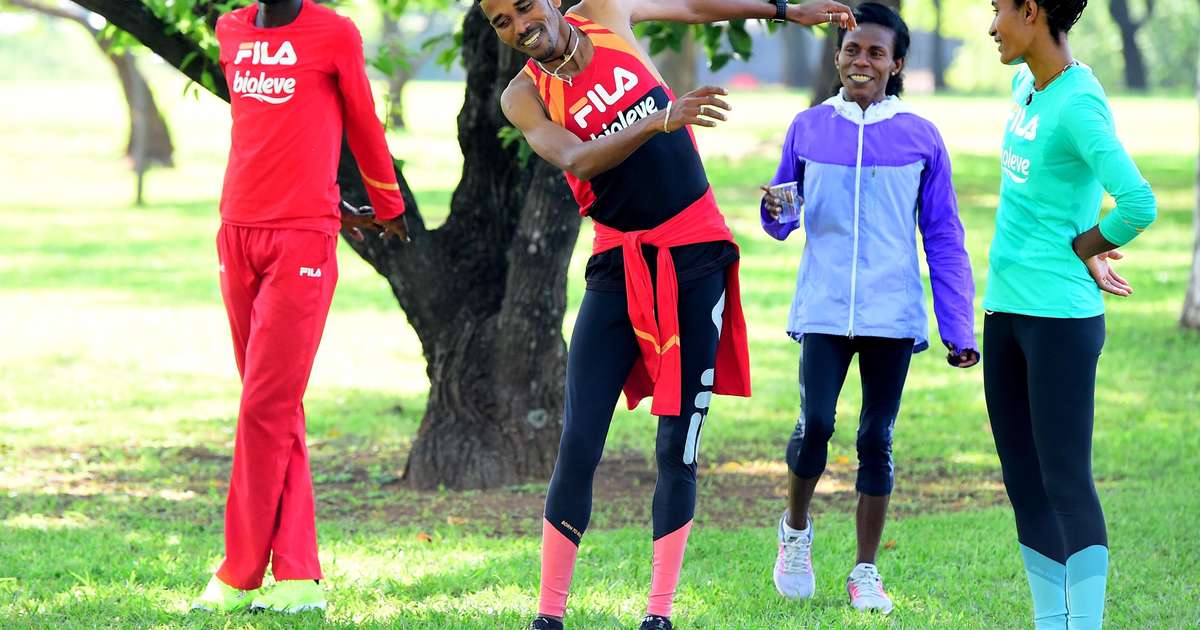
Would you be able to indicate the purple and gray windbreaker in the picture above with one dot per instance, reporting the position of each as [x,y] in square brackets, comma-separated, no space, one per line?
[869,180]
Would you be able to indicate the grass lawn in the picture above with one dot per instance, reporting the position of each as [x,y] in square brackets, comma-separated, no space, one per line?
[118,399]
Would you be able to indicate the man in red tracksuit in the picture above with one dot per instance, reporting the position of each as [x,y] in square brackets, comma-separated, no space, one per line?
[297,82]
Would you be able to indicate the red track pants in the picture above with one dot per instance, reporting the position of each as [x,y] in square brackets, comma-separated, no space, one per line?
[277,285]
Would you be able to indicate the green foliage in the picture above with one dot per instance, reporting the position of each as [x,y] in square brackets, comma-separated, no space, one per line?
[118,41]
[508,135]
[453,49]
[662,35]
[722,42]
[395,8]
[446,46]
[188,18]
[393,57]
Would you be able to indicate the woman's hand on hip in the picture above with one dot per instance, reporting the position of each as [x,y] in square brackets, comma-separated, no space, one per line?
[1105,276]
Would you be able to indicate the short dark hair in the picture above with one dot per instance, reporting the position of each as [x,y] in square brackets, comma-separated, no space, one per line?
[875,13]
[1061,15]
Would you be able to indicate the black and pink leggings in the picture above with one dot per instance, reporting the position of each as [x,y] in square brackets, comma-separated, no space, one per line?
[603,350]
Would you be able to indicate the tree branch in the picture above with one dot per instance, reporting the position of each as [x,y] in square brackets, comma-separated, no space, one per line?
[175,48]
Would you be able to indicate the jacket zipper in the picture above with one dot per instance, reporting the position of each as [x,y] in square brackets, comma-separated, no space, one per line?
[857,192]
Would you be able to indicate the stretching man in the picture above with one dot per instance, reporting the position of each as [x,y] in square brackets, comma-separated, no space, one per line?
[590,102]
[297,81]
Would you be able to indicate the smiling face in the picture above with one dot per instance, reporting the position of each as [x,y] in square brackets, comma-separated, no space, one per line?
[866,61]
[1013,28]
[534,27]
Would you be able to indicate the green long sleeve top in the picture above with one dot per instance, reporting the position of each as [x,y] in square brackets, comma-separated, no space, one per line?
[1060,154]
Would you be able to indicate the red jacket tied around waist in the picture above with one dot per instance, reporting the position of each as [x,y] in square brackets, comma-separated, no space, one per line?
[658,373]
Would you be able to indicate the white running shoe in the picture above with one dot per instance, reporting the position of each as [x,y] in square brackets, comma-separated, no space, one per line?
[865,588]
[793,566]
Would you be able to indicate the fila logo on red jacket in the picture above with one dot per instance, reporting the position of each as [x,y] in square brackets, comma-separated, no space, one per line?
[260,53]
[264,88]
[310,272]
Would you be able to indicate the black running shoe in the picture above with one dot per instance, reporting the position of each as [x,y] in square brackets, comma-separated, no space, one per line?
[656,622]
[547,623]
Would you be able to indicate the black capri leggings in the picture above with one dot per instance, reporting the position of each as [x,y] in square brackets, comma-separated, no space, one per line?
[1039,378]
[824,360]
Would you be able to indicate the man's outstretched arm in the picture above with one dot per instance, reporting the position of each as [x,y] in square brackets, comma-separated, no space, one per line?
[704,11]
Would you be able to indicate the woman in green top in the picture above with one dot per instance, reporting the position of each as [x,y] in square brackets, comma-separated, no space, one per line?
[1044,324]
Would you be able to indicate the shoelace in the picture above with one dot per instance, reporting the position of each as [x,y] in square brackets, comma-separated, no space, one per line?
[796,554]
[869,583]
[657,623]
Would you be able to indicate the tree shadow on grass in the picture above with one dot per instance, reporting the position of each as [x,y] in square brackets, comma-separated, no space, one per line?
[357,479]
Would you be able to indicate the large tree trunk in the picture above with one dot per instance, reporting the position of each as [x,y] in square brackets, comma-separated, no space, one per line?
[495,410]
[1135,65]
[485,292]
[154,144]
[149,139]
[1191,304]
[828,81]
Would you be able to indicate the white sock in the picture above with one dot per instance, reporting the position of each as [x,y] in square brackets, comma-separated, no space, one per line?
[788,532]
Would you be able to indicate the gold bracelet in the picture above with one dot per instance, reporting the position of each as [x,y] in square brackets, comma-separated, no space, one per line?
[668,118]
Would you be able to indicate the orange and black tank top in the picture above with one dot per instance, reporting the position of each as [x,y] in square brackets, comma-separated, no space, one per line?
[658,180]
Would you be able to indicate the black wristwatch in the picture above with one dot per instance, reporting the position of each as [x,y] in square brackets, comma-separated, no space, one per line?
[781,10]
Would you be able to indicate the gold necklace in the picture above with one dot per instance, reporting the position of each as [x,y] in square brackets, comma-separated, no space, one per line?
[1029,99]
[565,60]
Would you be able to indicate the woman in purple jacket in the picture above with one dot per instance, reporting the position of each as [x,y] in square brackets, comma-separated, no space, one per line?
[870,173]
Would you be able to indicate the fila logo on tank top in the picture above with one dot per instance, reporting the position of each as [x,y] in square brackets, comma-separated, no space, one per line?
[600,99]
[615,90]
